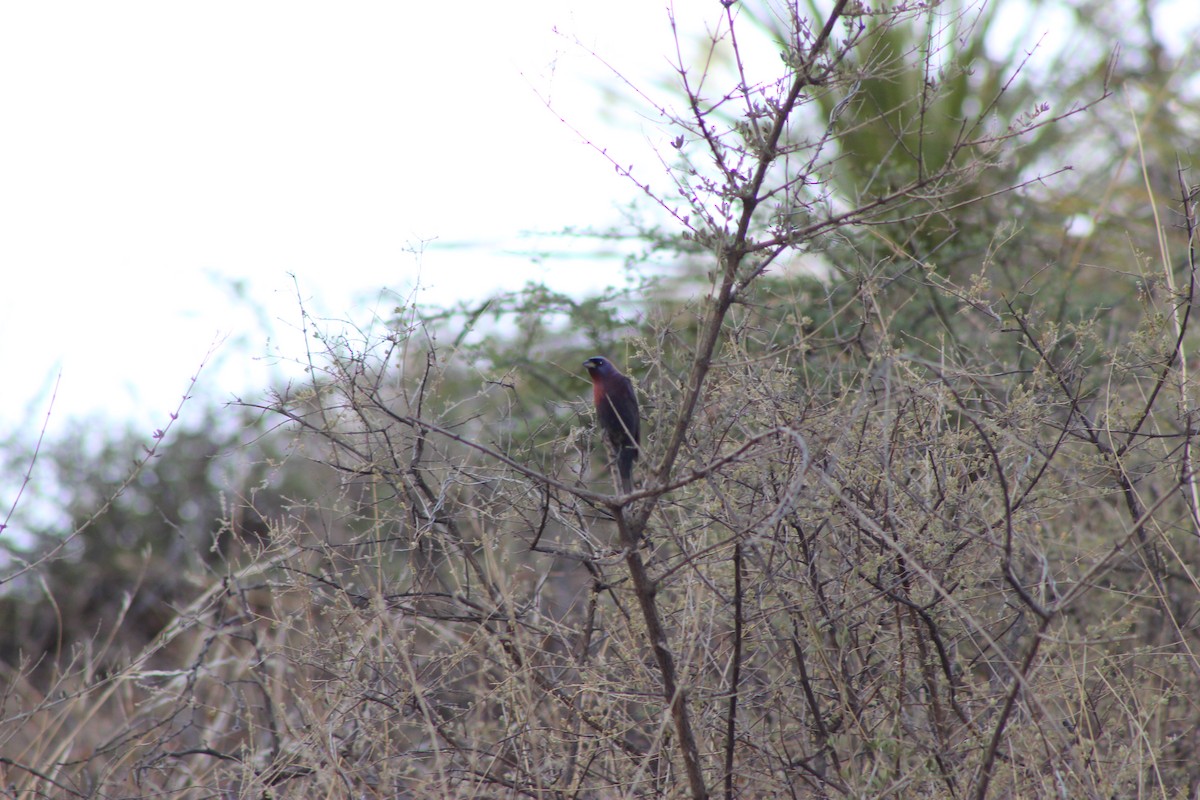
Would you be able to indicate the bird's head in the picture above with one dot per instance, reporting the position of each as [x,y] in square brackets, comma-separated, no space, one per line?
[599,367]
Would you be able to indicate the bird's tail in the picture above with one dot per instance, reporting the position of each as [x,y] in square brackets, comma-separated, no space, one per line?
[625,460]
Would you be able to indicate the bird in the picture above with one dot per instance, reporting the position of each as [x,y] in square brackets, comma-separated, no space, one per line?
[617,411]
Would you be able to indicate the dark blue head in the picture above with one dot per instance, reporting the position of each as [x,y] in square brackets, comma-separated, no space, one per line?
[600,367]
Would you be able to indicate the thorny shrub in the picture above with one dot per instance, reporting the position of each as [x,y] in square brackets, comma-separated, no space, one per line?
[899,530]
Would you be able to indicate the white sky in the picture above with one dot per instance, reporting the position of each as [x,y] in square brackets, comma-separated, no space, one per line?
[154,153]
[151,153]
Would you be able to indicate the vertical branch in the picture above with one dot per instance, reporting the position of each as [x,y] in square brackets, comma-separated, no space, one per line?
[1187,476]
[735,672]
[1010,700]
[729,255]
[646,589]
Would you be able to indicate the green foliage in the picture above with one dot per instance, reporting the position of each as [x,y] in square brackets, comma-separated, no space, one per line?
[119,575]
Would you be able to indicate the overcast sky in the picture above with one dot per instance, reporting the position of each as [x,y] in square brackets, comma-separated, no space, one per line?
[165,168]
[158,158]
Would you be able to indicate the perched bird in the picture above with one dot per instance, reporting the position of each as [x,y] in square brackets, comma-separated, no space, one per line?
[617,410]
